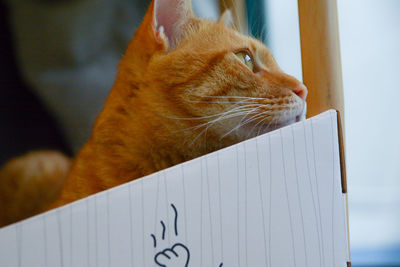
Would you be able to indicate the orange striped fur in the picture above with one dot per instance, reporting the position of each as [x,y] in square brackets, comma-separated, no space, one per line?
[181,92]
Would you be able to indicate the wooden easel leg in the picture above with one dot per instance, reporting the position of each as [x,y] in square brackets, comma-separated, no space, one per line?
[320,52]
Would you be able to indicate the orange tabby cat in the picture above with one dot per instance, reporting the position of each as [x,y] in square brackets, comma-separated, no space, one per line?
[185,87]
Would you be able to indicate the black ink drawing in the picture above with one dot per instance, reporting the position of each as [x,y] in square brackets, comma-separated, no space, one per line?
[176,256]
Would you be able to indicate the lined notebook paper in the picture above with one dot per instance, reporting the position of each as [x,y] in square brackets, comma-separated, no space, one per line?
[274,200]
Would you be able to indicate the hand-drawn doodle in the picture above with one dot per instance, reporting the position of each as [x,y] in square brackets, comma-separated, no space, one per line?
[176,256]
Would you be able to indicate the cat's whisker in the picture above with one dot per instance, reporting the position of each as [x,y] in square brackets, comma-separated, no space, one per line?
[273,122]
[207,125]
[260,100]
[251,119]
[258,124]
[260,127]
[223,115]
[240,124]
[201,133]
[256,116]
[222,102]
[208,116]
[264,126]
[228,116]
[261,115]
[242,98]
[211,123]
[234,97]
[246,120]
[229,97]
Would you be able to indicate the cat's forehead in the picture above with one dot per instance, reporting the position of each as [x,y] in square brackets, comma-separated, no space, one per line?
[210,35]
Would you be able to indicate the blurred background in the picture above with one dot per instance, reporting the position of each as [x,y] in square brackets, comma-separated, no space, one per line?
[370,50]
[59,59]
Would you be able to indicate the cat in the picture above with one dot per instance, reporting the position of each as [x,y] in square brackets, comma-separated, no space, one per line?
[186,86]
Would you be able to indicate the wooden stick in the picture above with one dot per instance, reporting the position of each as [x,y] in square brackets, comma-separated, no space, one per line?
[320,51]
[239,12]
[322,69]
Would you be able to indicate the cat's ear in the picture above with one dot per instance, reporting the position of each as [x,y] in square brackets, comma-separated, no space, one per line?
[169,19]
[227,19]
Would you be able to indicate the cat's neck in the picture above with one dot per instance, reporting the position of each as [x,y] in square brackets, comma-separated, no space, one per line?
[134,136]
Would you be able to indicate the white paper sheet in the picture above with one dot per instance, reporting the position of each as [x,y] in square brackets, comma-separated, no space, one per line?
[275,200]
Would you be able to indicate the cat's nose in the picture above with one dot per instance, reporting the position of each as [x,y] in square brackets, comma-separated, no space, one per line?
[301,91]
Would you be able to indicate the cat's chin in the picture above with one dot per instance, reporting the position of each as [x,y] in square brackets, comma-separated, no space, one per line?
[253,129]
[286,123]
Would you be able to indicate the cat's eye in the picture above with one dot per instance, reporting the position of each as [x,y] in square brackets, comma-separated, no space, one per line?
[246,59]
